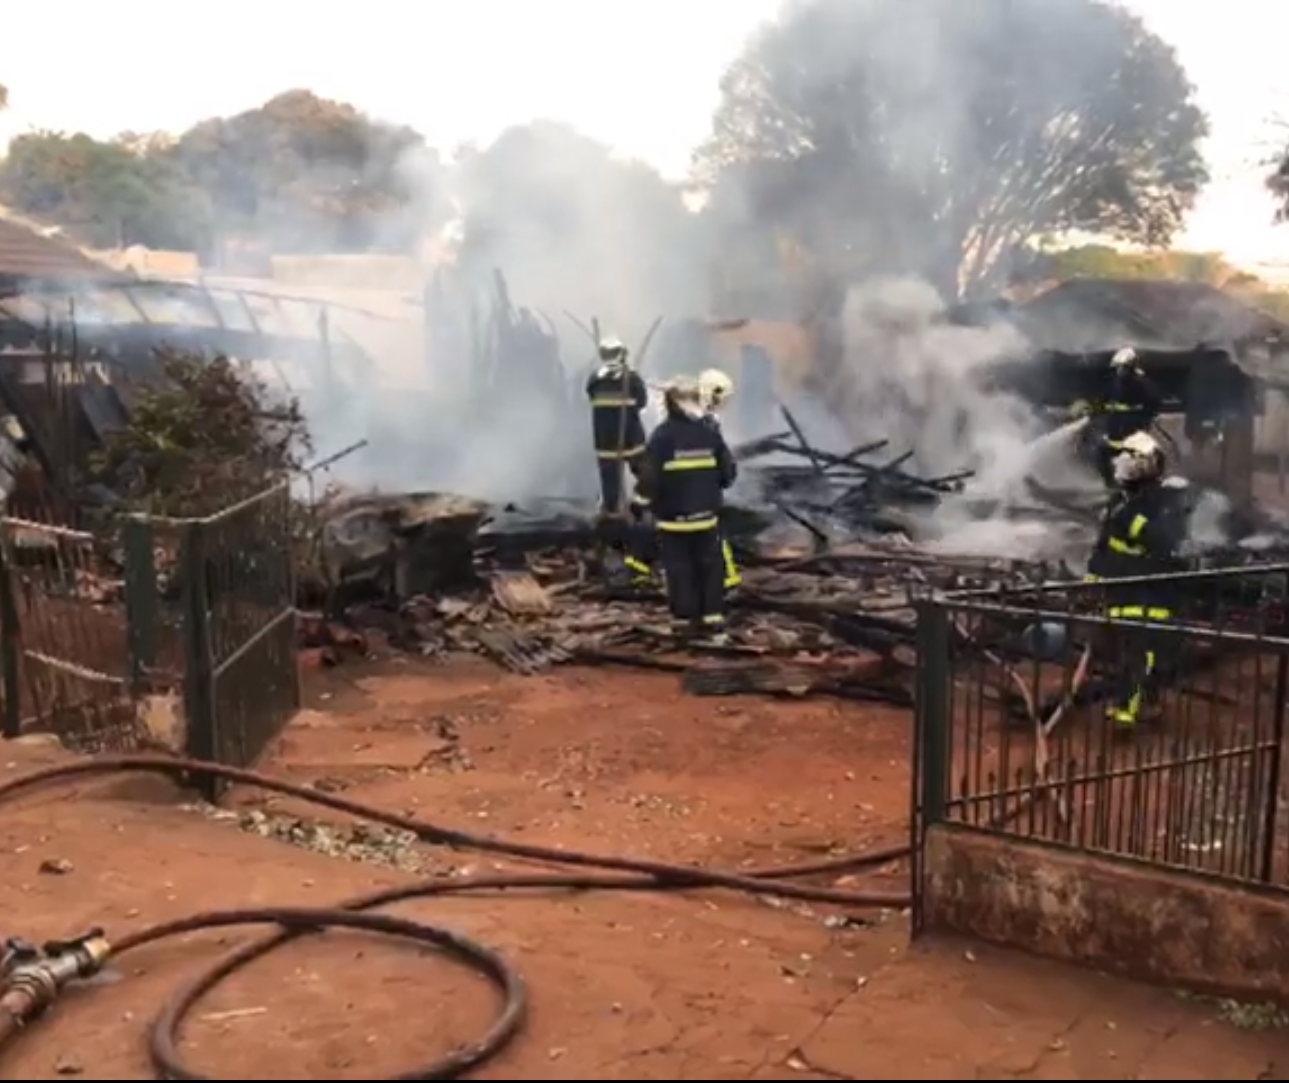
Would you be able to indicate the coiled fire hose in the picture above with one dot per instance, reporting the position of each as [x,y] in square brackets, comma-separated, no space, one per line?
[33,980]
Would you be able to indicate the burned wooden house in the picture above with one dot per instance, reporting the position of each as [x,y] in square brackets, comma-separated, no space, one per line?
[1222,364]
[76,336]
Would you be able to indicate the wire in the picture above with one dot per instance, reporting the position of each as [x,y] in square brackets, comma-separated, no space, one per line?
[613,874]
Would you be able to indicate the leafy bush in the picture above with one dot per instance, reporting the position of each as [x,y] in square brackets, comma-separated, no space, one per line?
[206,433]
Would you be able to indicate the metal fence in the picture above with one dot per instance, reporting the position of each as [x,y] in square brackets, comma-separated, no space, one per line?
[226,598]
[63,639]
[1013,738]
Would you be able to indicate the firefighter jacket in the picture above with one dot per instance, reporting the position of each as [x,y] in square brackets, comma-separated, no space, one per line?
[1131,404]
[617,395]
[687,468]
[1140,535]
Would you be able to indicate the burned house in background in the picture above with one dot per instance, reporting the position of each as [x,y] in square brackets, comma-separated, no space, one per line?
[1221,364]
[77,336]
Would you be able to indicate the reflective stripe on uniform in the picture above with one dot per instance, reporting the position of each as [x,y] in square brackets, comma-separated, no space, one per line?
[689,526]
[1139,612]
[1127,548]
[612,402]
[625,453]
[1118,545]
[733,578]
[704,462]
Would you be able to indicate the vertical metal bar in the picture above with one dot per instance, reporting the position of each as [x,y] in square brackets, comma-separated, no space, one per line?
[11,722]
[1271,800]
[199,662]
[138,541]
[931,774]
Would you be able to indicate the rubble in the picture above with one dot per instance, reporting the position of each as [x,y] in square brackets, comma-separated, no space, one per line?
[840,622]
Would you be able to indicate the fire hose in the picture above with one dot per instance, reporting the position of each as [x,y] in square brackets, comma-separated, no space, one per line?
[33,979]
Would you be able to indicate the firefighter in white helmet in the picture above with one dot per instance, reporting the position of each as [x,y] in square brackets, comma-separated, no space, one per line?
[1141,535]
[717,389]
[687,468]
[1130,404]
[617,395]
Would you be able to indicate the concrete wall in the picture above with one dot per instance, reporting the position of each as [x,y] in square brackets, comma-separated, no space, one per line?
[1145,923]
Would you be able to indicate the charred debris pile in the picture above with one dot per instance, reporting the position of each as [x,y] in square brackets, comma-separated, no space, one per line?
[827,605]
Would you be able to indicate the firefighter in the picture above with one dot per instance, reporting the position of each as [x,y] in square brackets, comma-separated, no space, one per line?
[716,389]
[1141,534]
[617,395]
[686,469]
[1130,405]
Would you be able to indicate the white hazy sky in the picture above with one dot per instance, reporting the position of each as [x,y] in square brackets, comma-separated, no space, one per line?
[640,75]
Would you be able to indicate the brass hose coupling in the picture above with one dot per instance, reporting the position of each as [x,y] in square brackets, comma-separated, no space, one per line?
[31,979]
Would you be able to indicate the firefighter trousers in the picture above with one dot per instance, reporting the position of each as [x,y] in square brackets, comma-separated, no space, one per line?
[613,479]
[695,573]
[642,553]
[1137,678]
[642,540]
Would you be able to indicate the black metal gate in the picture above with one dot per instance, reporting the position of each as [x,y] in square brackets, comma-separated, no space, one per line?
[63,643]
[1013,738]
[241,681]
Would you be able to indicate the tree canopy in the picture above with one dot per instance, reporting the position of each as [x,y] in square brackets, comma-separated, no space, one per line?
[938,138]
[300,173]
[1278,183]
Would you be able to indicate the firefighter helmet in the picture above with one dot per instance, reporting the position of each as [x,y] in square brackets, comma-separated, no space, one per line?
[1141,458]
[612,350]
[684,396]
[716,388]
[1124,358]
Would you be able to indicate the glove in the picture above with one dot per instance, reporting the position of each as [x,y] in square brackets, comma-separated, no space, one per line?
[1080,409]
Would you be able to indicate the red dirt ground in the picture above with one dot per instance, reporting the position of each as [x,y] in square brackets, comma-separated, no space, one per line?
[706,986]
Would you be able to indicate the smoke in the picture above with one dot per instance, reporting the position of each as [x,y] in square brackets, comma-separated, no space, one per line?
[910,376]
[540,236]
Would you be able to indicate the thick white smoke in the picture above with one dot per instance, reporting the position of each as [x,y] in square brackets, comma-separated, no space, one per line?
[912,377]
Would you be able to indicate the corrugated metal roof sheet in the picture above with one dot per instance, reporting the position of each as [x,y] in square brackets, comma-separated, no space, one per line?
[25,253]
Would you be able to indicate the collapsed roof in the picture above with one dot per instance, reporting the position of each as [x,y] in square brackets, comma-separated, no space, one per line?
[1088,315]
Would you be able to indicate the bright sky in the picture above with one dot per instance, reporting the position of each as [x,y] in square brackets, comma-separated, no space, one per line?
[641,74]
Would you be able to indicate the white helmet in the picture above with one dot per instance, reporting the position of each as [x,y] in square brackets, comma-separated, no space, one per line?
[1141,458]
[1123,357]
[612,350]
[686,395]
[716,388]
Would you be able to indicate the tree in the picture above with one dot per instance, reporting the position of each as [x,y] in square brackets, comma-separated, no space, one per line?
[308,174]
[577,228]
[1278,182]
[299,174]
[106,194]
[936,137]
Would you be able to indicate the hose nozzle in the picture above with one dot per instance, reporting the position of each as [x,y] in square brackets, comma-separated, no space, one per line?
[31,984]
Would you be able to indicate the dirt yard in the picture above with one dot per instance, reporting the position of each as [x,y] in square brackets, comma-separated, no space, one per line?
[702,986]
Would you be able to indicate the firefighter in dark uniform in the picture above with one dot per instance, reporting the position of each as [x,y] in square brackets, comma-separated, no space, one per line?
[1131,404]
[687,468]
[1141,534]
[716,389]
[617,395]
